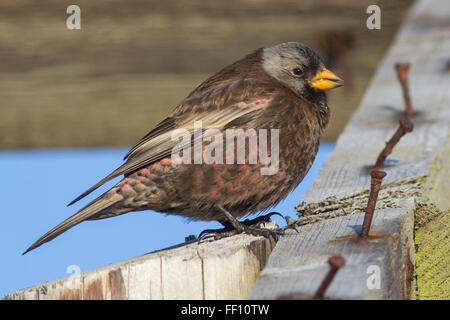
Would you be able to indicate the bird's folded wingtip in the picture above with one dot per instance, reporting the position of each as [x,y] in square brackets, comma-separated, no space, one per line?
[28,250]
[36,244]
[81,196]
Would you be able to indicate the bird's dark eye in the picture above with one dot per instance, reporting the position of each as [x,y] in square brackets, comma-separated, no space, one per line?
[297,71]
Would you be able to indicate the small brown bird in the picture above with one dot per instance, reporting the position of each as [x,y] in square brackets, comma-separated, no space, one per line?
[280,87]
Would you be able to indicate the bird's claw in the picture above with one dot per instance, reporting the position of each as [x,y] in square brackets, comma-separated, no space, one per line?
[216,234]
[254,231]
[247,226]
[261,219]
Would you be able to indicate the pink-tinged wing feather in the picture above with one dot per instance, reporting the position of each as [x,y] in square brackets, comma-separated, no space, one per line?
[221,107]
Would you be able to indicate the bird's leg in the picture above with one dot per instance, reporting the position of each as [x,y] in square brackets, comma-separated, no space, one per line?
[232,220]
[232,227]
[228,230]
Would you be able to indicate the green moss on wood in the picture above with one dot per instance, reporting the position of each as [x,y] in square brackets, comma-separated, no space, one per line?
[432,238]
[437,187]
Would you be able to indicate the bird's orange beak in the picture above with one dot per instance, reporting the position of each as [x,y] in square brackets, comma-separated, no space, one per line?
[326,80]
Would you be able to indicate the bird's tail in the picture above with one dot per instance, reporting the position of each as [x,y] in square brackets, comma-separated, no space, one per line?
[98,205]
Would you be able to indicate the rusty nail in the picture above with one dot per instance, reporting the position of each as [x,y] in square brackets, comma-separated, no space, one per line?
[405,126]
[335,263]
[402,75]
[375,184]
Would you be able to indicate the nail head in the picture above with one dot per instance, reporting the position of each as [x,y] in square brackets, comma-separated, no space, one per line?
[402,69]
[336,261]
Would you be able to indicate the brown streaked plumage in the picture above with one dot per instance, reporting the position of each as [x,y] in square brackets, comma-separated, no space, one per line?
[279,87]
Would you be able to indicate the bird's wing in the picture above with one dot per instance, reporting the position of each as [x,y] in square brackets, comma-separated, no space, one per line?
[217,108]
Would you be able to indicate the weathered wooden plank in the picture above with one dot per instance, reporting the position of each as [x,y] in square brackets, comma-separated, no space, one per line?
[418,172]
[223,269]
[427,47]
[299,264]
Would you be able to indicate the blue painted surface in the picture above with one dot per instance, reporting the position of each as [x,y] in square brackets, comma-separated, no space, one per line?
[34,191]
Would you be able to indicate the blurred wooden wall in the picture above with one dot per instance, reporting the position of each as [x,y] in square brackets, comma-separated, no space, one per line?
[133,61]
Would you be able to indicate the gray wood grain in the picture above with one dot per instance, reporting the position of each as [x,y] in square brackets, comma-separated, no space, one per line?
[299,261]
[423,40]
[223,269]
[335,203]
